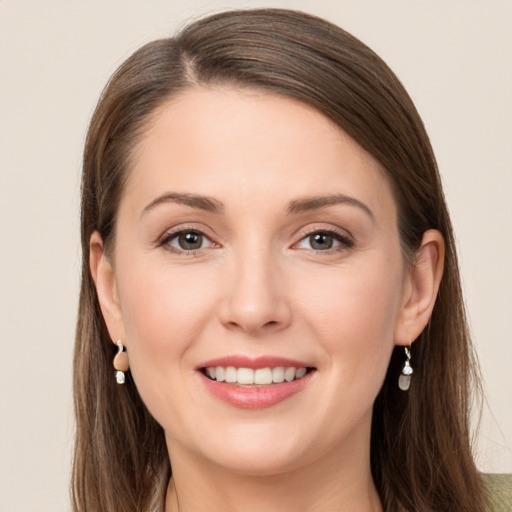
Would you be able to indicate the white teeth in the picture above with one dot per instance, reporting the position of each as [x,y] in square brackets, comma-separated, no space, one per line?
[245,376]
[219,374]
[259,377]
[278,374]
[300,373]
[289,374]
[263,376]
[231,374]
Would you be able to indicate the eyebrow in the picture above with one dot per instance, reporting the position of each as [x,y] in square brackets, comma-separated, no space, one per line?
[315,203]
[303,204]
[206,203]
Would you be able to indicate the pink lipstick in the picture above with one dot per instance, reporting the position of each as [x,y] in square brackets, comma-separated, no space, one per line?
[254,383]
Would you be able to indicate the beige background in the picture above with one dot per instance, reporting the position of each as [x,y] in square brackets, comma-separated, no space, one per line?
[455,58]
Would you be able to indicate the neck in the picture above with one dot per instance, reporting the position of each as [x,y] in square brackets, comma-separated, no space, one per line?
[340,482]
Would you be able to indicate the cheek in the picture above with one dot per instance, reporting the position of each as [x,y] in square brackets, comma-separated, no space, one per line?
[164,313]
[354,312]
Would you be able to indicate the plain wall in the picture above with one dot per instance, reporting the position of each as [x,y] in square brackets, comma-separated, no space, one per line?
[455,59]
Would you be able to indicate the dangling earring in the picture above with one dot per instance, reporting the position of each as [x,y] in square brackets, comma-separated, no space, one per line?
[121,363]
[404,381]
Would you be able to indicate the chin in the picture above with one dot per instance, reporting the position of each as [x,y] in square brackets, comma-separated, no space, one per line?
[254,463]
[259,449]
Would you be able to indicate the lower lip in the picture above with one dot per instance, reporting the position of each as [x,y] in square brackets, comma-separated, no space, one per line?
[258,397]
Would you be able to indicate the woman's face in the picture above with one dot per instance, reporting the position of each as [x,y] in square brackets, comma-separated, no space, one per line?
[254,236]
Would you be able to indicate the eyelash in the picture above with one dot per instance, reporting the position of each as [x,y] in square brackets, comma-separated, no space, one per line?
[168,237]
[343,239]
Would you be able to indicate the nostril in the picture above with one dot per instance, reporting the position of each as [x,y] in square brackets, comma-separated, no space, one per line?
[249,325]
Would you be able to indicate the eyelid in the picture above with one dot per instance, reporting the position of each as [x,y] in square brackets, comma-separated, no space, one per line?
[163,240]
[343,236]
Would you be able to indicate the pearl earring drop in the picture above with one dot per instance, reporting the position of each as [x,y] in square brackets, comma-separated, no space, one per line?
[404,381]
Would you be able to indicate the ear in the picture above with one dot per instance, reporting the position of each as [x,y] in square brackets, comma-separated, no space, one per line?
[106,288]
[420,288]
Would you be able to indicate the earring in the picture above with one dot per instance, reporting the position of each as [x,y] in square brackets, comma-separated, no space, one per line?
[121,363]
[404,381]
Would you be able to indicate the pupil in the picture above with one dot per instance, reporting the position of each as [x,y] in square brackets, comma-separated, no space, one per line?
[190,240]
[321,241]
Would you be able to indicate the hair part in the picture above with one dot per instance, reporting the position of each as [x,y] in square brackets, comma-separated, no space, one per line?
[420,447]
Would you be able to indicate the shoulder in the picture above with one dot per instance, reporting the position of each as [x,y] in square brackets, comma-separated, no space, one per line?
[499,490]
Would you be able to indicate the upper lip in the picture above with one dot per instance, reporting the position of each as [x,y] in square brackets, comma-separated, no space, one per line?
[239,361]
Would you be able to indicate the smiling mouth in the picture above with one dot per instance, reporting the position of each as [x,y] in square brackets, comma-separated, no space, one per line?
[248,377]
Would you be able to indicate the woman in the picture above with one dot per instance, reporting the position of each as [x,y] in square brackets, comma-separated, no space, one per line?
[269,264]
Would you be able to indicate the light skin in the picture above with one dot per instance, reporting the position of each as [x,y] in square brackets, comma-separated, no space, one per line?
[275,271]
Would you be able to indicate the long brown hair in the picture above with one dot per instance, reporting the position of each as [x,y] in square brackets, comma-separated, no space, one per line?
[420,446]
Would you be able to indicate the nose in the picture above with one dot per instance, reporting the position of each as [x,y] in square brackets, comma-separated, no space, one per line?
[256,299]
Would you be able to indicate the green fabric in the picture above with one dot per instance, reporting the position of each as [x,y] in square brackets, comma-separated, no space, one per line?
[499,488]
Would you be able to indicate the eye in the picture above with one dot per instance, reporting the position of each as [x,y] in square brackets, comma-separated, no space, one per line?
[324,241]
[186,241]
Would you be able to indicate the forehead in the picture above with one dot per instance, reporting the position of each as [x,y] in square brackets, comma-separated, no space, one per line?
[247,144]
